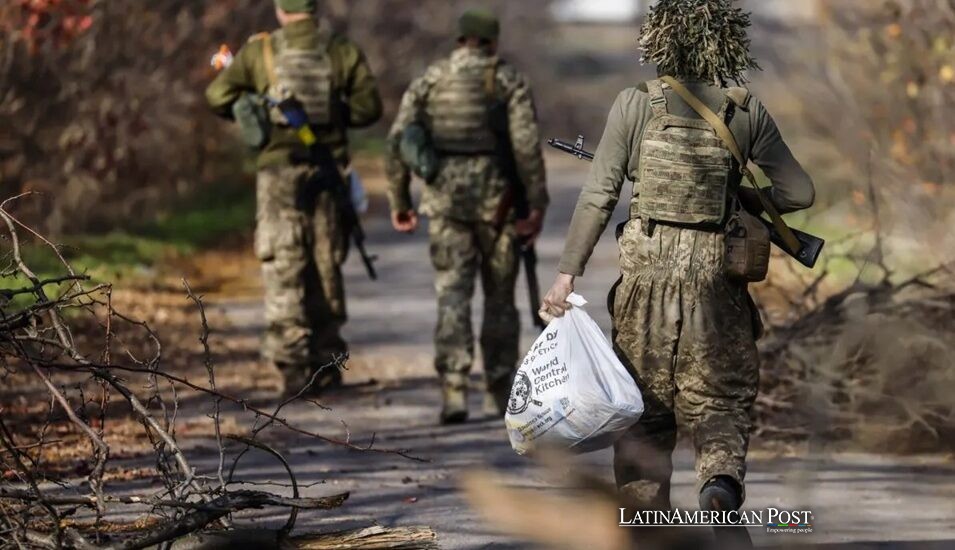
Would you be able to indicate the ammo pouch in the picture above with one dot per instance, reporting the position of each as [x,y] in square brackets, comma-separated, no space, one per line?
[418,153]
[746,241]
[253,120]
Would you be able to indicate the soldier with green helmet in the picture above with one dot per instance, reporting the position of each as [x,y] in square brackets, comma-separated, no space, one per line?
[451,107]
[300,238]
[683,322]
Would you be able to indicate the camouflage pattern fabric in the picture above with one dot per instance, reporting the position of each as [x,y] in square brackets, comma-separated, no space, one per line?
[354,84]
[684,167]
[456,112]
[301,242]
[460,251]
[689,337]
[307,74]
[468,187]
[462,203]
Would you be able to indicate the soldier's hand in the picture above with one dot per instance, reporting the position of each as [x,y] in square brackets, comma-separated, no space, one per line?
[555,302]
[405,222]
[530,227]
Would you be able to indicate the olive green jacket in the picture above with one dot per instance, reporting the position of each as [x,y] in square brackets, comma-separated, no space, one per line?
[618,158]
[357,92]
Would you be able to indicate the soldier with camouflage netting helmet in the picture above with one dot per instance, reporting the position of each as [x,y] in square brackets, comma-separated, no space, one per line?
[705,40]
[684,322]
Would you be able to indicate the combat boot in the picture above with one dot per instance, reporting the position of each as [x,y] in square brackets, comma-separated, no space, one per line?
[723,494]
[496,397]
[296,378]
[454,407]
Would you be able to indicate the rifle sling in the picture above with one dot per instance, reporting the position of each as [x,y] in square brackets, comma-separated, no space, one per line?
[268,58]
[789,238]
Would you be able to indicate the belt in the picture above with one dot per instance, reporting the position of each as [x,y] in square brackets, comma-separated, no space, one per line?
[648,227]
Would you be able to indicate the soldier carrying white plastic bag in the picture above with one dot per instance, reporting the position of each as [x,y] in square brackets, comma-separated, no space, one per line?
[684,323]
[571,392]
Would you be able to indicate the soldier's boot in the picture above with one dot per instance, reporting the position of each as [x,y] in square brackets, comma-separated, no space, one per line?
[454,402]
[328,378]
[296,378]
[496,397]
[723,494]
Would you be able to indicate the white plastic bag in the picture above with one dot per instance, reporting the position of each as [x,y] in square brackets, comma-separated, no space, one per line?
[571,392]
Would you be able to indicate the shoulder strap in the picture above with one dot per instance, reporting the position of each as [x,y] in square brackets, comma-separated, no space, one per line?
[658,100]
[327,39]
[727,136]
[268,55]
[257,36]
[490,78]
[739,96]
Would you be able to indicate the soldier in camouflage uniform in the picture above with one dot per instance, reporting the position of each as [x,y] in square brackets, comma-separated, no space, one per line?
[686,330]
[300,238]
[451,101]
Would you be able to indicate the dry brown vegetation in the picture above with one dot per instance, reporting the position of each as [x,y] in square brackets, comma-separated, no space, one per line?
[86,384]
[102,108]
[861,347]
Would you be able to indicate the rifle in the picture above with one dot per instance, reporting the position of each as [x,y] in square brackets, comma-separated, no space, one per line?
[358,234]
[295,114]
[515,197]
[810,246]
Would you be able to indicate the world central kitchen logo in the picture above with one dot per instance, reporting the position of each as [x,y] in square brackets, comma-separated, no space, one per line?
[773,519]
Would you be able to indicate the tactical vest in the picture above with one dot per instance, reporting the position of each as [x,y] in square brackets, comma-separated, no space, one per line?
[685,169]
[305,74]
[457,108]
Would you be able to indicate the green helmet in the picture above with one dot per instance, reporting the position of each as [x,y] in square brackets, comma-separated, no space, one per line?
[703,39]
[296,6]
[479,23]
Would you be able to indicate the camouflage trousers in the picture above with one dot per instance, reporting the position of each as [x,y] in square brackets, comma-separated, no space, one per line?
[689,336]
[301,242]
[460,250]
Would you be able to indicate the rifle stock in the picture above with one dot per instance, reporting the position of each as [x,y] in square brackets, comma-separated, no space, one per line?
[358,236]
[529,255]
[810,245]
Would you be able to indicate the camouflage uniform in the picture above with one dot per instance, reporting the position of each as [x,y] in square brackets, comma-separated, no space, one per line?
[301,243]
[300,238]
[686,331]
[462,203]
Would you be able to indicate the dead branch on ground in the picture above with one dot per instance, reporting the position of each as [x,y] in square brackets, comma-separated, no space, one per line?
[81,378]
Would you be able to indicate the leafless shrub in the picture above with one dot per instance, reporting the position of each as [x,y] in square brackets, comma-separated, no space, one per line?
[81,378]
[858,347]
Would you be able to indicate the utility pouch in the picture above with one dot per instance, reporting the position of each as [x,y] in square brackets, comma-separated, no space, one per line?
[253,120]
[747,244]
[417,152]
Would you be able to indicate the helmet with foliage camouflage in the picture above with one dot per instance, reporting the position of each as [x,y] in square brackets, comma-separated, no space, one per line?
[704,39]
